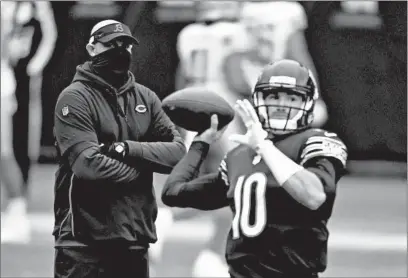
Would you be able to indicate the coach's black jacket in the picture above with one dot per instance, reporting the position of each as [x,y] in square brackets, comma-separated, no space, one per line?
[100,200]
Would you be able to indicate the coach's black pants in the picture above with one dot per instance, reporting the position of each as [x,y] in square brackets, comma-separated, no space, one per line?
[90,262]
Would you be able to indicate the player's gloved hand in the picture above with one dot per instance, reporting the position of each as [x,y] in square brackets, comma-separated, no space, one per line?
[211,134]
[116,150]
[255,133]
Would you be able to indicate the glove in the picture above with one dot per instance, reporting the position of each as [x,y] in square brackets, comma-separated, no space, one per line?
[116,150]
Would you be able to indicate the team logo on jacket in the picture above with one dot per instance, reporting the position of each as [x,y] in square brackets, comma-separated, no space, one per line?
[65,110]
[141,108]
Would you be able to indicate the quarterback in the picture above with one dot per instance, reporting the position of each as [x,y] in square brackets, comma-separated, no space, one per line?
[280,182]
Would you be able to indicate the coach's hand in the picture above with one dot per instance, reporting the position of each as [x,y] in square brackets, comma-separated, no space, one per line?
[211,134]
[116,150]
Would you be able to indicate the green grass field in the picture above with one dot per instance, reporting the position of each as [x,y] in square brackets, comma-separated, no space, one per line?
[368,232]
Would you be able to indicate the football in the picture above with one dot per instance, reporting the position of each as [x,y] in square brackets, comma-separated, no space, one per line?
[191,108]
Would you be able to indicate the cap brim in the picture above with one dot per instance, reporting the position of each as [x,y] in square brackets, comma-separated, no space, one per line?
[110,37]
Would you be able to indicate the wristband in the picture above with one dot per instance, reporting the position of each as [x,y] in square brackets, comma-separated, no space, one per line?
[281,166]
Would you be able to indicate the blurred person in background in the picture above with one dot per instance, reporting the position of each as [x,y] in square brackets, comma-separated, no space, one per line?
[111,135]
[203,48]
[276,31]
[280,182]
[15,226]
[31,46]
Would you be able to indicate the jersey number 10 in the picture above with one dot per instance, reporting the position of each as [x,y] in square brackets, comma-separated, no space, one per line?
[242,200]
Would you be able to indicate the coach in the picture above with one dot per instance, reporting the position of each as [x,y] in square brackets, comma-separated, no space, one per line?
[111,135]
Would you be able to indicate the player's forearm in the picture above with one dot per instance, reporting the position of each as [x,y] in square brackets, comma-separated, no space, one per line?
[306,188]
[184,189]
[303,185]
[188,167]
[204,193]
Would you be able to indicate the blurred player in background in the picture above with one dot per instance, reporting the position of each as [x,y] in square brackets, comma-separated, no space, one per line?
[32,44]
[280,182]
[15,224]
[203,48]
[276,31]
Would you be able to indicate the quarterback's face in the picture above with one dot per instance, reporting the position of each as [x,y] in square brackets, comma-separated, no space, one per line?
[281,104]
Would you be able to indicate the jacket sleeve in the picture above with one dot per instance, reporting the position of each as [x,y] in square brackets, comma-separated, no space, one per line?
[184,189]
[165,147]
[78,144]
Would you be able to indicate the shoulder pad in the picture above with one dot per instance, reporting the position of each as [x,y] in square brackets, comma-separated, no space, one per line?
[321,143]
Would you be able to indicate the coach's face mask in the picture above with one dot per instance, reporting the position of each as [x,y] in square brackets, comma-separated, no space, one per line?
[116,60]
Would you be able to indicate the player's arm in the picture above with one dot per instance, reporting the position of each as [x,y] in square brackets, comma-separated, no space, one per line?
[45,16]
[78,144]
[184,189]
[164,148]
[305,184]
[329,170]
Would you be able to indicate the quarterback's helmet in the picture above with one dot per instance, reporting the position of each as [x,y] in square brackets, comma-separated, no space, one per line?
[292,78]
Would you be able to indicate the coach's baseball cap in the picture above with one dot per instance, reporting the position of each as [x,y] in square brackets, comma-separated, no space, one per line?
[110,29]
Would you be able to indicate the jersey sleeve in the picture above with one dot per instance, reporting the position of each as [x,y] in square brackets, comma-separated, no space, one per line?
[325,155]
[184,188]
[329,174]
[223,171]
[324,145]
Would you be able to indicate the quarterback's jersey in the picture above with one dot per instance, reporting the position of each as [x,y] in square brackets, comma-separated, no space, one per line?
[203,48]
[273,22]
[268,223]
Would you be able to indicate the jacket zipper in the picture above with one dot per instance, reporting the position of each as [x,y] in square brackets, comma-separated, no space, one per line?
[71,185]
